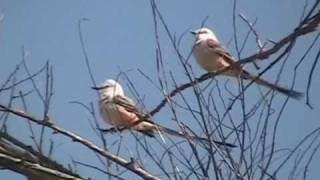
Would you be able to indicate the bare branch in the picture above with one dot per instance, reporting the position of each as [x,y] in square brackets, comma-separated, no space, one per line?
[122,162]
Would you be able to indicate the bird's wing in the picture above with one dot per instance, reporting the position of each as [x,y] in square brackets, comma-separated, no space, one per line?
[216,47]
[129,106]
[128,110]
[126,103]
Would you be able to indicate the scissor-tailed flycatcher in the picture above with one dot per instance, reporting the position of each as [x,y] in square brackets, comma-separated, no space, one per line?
[212,57]
[121,112]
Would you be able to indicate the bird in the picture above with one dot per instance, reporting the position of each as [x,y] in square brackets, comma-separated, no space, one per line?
[120,111]
[212,56]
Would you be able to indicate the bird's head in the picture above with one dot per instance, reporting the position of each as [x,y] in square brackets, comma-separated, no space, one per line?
[204,34]
[109,88]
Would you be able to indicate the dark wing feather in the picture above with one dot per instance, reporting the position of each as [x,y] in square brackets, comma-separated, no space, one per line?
[218,49]
[129,106]
[126,103]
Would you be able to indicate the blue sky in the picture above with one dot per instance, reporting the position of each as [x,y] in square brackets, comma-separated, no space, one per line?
[120,36]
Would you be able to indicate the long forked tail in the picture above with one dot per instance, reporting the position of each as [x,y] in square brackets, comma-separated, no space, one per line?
[288,92]
[193,138]
[149,128]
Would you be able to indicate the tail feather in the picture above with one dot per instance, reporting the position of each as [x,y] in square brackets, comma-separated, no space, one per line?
[147,132]
[149,128]
[181,134]
[288,92]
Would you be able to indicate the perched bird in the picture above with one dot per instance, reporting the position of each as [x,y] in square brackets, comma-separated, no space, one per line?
[211,56]
[120,111]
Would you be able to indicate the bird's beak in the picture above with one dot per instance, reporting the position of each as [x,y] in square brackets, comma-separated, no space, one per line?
[99,88]
[193,32]
[95,88]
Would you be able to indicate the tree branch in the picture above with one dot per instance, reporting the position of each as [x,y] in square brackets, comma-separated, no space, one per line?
[122,162]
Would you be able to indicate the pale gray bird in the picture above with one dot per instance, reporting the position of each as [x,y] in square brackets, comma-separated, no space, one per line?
[211,56]
[120,111]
